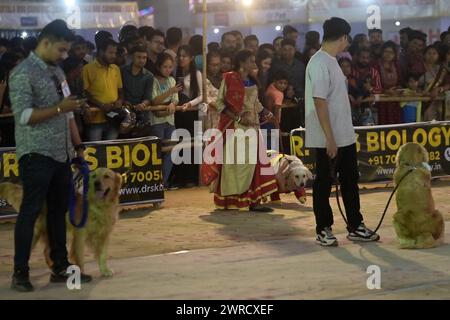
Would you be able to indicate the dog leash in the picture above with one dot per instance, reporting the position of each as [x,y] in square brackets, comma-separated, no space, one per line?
[333,168]
[83,174]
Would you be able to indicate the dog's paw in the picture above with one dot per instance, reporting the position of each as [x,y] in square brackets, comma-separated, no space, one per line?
[107,273]
[302,199]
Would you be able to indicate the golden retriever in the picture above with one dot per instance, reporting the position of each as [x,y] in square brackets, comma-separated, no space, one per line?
[103,211]
[291,175]
[417,223]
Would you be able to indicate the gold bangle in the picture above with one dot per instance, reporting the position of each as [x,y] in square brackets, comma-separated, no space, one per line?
[58,109]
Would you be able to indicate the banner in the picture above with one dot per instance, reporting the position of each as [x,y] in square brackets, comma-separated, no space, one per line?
[85,15]
[317,11]
[139,161]
[357,10]
[377,147]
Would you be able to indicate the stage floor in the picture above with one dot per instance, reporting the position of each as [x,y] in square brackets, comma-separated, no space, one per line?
[229,255]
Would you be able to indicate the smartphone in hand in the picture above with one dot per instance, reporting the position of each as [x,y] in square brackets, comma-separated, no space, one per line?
[180,82]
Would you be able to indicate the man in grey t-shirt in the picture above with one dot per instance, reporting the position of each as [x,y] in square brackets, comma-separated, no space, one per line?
[329,130]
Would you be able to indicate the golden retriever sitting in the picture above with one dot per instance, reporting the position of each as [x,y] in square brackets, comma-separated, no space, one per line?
[417,223]
[103,211]
[291,175]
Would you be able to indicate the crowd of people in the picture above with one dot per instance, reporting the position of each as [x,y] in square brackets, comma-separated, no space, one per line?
[149,82]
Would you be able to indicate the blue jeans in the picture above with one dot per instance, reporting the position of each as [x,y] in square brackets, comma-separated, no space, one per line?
[101,131]
[45,182]
[164,131]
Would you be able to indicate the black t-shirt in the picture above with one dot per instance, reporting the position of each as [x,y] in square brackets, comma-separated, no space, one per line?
[150,66]
[5,101]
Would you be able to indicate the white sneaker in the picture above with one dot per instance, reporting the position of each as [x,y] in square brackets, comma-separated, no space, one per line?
[326,238]
[362,233]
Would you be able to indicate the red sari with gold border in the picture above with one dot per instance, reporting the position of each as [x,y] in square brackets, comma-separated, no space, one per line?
[261,185]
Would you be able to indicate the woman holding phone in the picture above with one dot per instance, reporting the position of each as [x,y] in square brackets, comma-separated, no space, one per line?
[189,98]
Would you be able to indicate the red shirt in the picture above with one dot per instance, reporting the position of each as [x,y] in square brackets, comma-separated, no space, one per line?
[361,73]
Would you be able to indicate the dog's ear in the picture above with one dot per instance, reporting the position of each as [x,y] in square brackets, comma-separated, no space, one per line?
[284,167]
[291,158]
[424,153]
[402,156]
[117,184]
[309,175]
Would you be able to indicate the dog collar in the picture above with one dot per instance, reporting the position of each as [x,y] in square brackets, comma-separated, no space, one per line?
[422,164]
[426,166]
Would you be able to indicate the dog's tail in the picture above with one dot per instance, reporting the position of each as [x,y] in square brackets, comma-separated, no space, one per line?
[12,193]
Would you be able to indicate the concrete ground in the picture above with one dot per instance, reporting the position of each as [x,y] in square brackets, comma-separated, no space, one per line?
[186,250]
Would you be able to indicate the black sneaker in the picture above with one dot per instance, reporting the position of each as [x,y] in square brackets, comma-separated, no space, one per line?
[362,233]
[62,275]
[21,282]
[326,238]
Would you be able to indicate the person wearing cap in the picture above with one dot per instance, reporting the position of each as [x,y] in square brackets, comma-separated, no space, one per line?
[330,132]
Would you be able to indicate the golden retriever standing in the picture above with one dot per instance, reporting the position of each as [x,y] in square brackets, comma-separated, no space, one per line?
[103,211]
[417,223]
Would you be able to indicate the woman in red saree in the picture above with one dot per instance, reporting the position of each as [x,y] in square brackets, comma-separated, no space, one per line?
[239,185]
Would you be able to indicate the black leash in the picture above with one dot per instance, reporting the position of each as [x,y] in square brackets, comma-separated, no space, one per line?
[333,166]
[83,175]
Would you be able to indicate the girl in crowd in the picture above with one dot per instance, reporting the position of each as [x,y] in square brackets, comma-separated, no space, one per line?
[226,61]
[389,112]
[196,44]
[428,82]
[190,98]
[263,62]
[165,92]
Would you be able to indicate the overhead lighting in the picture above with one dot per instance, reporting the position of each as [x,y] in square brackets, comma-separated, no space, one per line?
[247,3]
[397,23]
[216,30]
[278,28]
[147,11]
[24,35]
[69,3]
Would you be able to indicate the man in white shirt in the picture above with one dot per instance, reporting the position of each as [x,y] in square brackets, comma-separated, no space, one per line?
[329,130]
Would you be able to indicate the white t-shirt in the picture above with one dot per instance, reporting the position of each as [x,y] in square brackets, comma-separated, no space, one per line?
[325,80]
